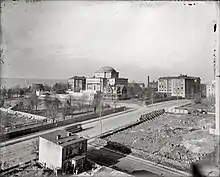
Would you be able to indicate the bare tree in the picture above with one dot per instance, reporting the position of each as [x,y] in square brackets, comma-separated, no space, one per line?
[34,102]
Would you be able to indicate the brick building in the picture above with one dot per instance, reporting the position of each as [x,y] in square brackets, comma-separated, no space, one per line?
[77,83]
[106,80]
[183,85]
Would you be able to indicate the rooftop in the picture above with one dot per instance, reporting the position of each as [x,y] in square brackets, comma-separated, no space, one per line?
[106,69]
[64,139]
[179,77]
[78,77]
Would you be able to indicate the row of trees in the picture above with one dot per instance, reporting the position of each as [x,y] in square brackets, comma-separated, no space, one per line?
[17,91]
[135,91]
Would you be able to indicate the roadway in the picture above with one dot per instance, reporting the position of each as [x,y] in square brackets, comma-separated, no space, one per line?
[110,122]
[21,149]
[94,128]
[129,164]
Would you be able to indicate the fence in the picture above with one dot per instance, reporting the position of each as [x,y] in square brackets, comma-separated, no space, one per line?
[21,114]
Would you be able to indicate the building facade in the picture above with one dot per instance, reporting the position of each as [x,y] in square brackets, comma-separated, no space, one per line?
[107,81]
[96,84]
[210,90]
[62,151]
[183,85]
[77,83]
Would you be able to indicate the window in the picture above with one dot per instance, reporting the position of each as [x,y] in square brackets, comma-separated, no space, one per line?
[94,87]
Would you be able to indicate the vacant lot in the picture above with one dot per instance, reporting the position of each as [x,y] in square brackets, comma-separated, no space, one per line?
[21,152]
[205,105]
[174,140]
[10,120]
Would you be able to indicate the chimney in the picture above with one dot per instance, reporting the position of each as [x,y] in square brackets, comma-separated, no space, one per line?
[148,81]
[58,137]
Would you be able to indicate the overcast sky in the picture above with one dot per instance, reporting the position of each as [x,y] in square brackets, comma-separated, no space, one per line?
[60,39]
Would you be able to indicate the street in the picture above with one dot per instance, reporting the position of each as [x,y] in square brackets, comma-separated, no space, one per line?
[23,147]
[93,129]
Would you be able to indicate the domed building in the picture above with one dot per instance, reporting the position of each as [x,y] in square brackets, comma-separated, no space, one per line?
[107,81]
[106,72]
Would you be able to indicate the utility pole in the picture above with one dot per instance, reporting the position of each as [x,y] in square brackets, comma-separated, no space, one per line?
[152,99]
[216,131]
[217,78]
[100,114]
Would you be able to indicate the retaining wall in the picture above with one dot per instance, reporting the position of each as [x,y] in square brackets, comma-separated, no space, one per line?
[177,111]
[21,114]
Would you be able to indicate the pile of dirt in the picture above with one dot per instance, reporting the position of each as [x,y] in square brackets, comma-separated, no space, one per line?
[99,142]
[168,138]
[199,142]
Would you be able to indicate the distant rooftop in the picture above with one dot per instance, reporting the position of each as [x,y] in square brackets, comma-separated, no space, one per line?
[64,139]
[106,69]
[181,76]
[78,77]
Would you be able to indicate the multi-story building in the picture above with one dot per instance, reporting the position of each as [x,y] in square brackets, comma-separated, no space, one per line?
[62,151]
[107,81]
[96,84]
[210,90]
[183,85]
[77,83]
[106,72]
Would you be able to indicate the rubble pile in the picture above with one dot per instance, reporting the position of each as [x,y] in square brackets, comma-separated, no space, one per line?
[164,139]
[99,142]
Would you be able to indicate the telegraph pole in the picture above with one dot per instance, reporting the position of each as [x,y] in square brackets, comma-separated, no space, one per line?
[100,114]
[217,71]
[217,83]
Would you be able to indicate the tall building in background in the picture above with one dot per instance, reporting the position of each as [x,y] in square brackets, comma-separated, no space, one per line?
[183,85]
[77,83]
[106,72]
[107,81]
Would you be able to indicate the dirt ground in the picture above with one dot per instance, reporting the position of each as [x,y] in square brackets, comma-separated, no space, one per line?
[175,138]
[205,105]
[17,153]
[10,120]
[32,170]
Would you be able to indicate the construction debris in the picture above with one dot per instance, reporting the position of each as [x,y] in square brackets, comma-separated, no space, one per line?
[167,139]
